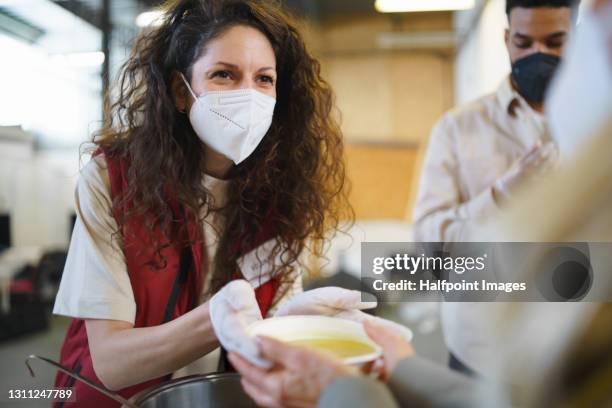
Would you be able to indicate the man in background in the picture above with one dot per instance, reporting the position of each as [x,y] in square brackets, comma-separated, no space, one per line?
[479,154]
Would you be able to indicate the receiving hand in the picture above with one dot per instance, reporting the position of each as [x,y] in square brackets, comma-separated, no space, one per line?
[394,345]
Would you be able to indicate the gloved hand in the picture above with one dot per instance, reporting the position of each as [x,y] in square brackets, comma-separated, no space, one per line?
[232,310]
[540,158]
[337,302]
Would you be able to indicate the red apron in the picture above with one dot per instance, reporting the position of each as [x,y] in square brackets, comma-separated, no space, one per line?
[160,294]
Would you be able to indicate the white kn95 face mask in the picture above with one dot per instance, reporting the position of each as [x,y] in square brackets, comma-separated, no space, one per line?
[232,123]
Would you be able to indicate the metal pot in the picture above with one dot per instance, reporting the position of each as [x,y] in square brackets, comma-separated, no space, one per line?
[210,390]
[217,390]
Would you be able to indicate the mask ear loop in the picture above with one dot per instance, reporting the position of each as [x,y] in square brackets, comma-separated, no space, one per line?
[188,87]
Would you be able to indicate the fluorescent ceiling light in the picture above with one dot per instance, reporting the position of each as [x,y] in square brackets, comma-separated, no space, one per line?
[405,6]
[149,18]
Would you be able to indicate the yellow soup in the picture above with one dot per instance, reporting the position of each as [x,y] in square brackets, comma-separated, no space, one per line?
[341,348]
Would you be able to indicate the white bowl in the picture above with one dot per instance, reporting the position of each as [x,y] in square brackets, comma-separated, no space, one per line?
[292,328]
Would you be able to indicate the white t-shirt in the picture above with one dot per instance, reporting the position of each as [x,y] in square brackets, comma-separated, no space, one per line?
[95,282]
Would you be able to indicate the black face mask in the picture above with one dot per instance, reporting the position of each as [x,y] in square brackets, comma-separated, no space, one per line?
[533,73]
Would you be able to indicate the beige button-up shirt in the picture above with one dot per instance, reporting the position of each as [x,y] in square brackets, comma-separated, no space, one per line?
[470,148]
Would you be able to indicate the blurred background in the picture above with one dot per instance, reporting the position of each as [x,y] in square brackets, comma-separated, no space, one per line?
[394,74]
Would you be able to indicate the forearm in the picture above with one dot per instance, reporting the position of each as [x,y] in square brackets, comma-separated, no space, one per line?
[416,378]
[356,392]
[127,356]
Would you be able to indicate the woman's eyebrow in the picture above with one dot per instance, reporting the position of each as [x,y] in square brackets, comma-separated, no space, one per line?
[227,64]
[266,69]
[234,66]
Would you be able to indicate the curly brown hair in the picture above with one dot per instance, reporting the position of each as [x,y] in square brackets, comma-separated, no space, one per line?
[295,178]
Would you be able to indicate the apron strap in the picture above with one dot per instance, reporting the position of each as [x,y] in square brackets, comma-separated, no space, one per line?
[181,276]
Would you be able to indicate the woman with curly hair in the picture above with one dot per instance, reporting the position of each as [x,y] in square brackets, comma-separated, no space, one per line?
[218,162]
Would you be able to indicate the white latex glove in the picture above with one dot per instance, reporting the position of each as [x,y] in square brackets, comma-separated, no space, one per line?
[337,302]
[232,310]
[539,159]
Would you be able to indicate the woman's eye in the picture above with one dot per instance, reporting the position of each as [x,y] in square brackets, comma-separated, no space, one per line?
[267,79]
[221,74]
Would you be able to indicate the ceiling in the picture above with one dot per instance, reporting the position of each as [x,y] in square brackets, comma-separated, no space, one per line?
[31,20]
[89,10]
[316,8]
[123,14]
